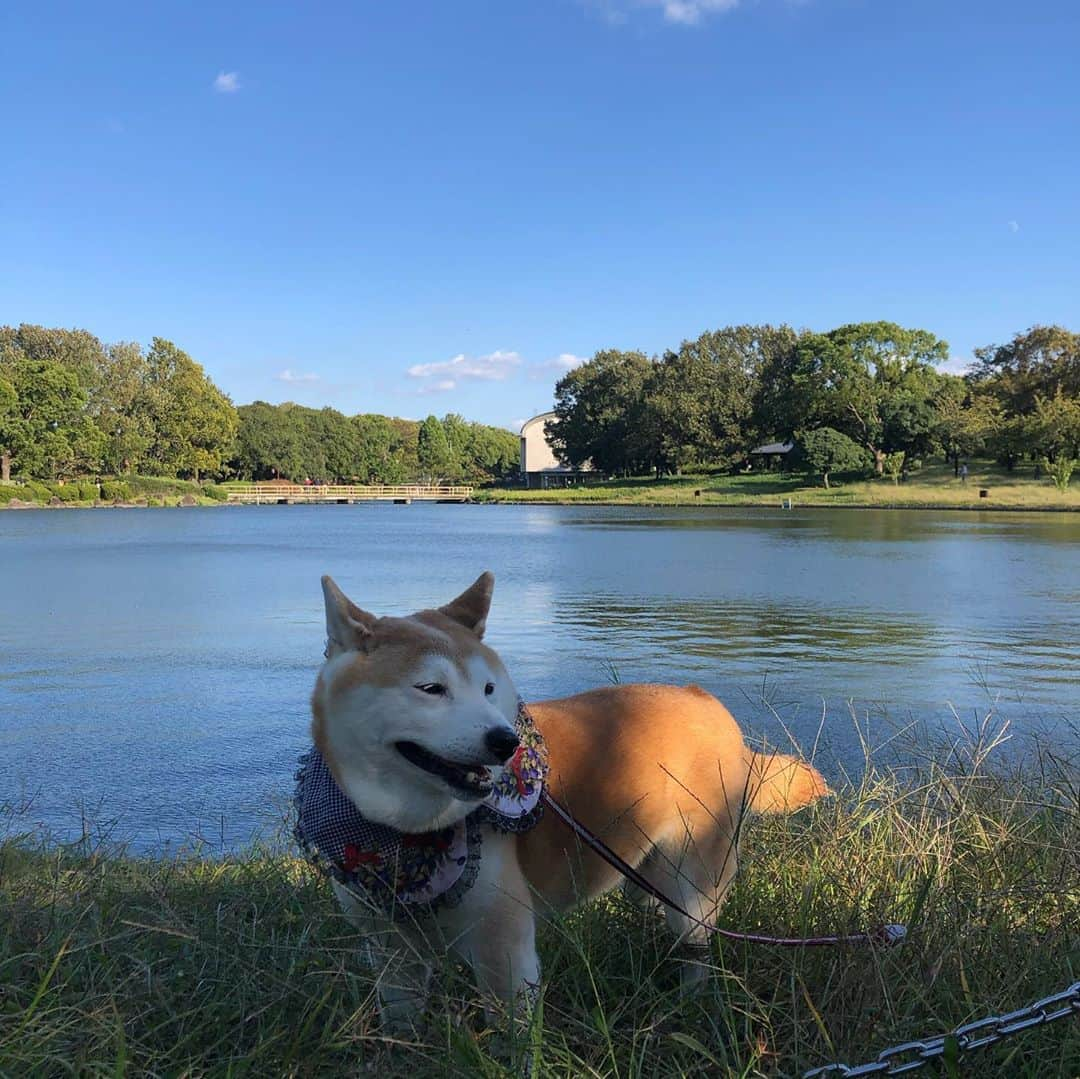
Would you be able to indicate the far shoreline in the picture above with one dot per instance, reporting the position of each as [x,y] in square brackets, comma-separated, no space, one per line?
[990,487]
[986,506]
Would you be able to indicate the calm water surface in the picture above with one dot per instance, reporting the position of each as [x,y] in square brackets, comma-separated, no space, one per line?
[155,665]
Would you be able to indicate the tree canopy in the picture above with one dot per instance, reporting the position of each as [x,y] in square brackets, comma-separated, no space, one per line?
[876,383]
[71,406]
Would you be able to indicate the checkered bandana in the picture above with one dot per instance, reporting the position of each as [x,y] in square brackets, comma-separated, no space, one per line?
[405,874]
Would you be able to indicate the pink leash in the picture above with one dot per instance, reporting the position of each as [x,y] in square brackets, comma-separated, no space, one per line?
[883,935]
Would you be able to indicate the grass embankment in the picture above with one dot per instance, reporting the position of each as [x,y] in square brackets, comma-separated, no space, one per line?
[115,491]
[114,965]
[932,487]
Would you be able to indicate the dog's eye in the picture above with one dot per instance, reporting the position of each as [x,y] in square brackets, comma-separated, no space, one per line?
[489,689]
[433,689]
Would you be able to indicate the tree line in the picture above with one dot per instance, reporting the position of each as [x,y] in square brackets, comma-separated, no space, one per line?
[323,445]
[71,406]
[867,394]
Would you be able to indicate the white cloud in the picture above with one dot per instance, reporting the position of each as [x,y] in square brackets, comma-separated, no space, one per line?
[956,365]
[443,385]
[1014,226]
[227,82]
[293,376]
[690,12]
[608,10]
[558,365]
[494,367]
[680,12]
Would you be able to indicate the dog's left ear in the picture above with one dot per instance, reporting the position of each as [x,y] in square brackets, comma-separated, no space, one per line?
[471,608]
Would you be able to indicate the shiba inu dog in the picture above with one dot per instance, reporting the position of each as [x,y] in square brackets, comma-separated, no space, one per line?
[416,723]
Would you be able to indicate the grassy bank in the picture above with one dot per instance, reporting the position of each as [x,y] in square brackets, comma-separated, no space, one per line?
[190,966]
[111,491]
[933,487]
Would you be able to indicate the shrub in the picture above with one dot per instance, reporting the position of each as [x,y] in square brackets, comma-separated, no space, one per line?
[66,492]
[115,490]
[218,494]
[894,465]
[827,450]
[161,486]
[1060,471]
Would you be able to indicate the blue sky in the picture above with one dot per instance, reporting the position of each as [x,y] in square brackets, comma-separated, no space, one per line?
[436,206]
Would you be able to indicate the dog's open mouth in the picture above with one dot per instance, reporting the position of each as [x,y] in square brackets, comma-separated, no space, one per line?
[473,780]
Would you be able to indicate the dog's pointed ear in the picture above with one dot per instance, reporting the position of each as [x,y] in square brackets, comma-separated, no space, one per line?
[348,629]
[471,608]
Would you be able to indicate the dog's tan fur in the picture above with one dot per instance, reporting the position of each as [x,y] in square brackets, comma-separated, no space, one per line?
[661,773]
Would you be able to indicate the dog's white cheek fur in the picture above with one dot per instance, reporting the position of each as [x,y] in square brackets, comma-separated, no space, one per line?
[382,785]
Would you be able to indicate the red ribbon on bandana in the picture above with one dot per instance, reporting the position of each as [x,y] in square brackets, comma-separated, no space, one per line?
[355,857]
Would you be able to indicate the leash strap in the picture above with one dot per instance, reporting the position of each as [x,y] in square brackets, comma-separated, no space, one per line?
[884,935]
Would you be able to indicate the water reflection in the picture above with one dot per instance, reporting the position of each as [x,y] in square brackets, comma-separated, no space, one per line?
[177,649]
[755,633]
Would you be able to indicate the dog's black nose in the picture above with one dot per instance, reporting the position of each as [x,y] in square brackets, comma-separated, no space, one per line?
[502,742]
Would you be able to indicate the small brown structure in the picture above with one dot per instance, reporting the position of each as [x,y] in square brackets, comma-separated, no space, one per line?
[772,454]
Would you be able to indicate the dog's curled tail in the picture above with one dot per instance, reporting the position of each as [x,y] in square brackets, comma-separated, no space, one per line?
[779,784]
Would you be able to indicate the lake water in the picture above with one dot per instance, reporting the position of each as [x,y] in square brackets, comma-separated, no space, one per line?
[155,665]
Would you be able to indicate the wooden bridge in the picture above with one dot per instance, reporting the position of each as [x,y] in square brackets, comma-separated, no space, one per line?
[284,494]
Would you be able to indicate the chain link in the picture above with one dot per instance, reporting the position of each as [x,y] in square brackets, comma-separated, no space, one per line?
[974,1035]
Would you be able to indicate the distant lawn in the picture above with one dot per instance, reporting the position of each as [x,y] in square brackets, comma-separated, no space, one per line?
[933,486]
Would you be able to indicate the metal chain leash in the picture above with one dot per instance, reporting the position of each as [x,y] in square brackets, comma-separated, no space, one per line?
[975,1035]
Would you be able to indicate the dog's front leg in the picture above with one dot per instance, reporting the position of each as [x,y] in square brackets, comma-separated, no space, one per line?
[395,957]
[496,932]
[402,982]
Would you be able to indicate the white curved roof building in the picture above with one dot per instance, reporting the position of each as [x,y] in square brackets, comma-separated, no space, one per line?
[539,465]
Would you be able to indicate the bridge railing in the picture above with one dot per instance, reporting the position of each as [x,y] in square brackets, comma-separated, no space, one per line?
[260,493]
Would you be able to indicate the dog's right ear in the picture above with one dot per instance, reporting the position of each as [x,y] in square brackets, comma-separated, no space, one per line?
[348,628]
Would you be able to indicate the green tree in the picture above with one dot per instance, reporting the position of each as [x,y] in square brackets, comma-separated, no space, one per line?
[51,421]
[193,422]
[120,408]
[966,419]
[699,402]
[894,465]
[492,453]
[77,350]
[873,381]
[458,437]
[8,419]
[381,458]
[45,427]
[598,413]
[339,442]
[827,451]
[407,433]
[433,450]
[268,444]
[1054,426]
[1037,363]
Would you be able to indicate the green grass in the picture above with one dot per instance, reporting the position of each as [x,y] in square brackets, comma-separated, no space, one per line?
[113,965]
[932,487]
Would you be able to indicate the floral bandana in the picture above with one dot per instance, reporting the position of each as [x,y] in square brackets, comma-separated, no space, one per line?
[403,874]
